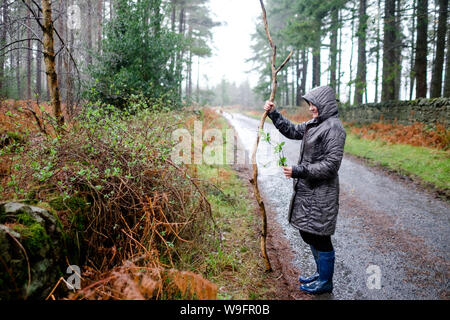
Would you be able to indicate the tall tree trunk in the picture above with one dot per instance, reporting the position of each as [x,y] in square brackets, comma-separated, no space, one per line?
[69,78]
[420,67]
[398,50]
[18,80]
[2,43]
[360,85]
[189,77]
[286,88]
[99,25]
[351,59]
[436,79]
[316,58]
[304,70]
[49,60]
[189,69]
[198,79]
[333,46]
[447,67]
[293,83]
[173,4]
[38,61]
[29,53]
[59,58]
[389,68]
[89,32]
[413,50]
[339,57]
[297,78]
[180,53]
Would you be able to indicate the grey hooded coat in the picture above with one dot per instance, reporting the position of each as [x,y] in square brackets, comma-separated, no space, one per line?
[315,201]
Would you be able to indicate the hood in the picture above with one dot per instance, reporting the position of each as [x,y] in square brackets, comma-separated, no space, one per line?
[324,99]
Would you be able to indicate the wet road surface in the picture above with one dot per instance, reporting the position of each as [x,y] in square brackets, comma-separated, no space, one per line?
[392,240]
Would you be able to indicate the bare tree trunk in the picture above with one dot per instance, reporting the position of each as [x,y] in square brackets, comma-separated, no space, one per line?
[59,57]
[377,68]
[180,54]
[286,88]
[297,78]
[333,47]
[360,82]
[49,60]
[413,50]
[436,79]
[304,70]
[19,89]
[351,80]
[2,43]
[398,50]
[447,68]
[38,61]
[173,4]
[316,59]
[68,68]
[198,79]
[389,68]
[339,57]
[420,67]
[89,32]
[29,52]
[99,25]
[293,83]
[189,70]
[69,78]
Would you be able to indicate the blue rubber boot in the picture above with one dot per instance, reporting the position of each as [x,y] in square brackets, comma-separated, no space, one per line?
[315,276]
[325,281]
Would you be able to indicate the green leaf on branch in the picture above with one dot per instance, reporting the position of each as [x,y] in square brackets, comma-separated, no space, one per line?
[279,147]
[282,162]
[265,136]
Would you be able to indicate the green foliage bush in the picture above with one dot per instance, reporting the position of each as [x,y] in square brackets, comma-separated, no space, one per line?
[100,175]
[138,54]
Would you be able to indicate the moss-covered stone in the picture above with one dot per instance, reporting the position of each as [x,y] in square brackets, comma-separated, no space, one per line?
[34,237]
[74,204]
[31,251]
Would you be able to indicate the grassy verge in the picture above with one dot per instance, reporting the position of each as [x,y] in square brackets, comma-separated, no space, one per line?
[232,259]
[429,165]
[234,263]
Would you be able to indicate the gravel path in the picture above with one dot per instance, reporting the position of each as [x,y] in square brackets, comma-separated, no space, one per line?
[385,227]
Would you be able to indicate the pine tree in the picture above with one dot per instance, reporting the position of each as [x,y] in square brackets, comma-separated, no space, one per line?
[389,42]
[438,64]
[420,68]
[360,81]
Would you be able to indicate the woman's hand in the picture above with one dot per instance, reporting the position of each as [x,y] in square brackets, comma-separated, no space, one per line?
[287,172]
[269,106]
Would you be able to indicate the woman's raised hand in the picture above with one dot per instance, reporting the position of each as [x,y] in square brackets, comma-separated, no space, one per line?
[269,106]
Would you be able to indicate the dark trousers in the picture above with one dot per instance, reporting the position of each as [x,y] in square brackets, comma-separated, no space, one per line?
[320,243]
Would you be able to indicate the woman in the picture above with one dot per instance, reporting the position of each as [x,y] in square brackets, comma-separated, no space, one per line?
[315,202]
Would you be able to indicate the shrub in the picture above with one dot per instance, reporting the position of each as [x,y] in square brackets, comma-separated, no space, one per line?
[113,185]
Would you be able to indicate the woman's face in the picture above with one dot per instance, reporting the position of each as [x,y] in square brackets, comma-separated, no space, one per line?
[313,110]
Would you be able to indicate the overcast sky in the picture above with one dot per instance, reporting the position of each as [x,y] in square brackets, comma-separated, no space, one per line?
[232,46]
[232,41]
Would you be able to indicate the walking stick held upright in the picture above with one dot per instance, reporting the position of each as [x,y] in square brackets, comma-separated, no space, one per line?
[254,180]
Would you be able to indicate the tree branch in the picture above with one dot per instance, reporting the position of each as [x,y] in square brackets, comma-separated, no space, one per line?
[254,180]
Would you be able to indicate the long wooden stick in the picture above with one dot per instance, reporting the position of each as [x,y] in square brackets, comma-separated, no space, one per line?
[254,180]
